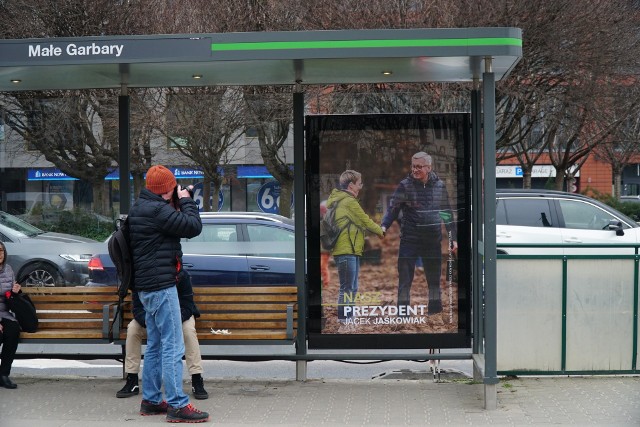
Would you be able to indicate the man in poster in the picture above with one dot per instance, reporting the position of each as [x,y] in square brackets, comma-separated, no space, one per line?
[421,204]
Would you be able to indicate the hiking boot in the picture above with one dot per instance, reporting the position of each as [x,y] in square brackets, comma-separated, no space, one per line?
[150,408]
[197,387]
[130,388]
[187,414]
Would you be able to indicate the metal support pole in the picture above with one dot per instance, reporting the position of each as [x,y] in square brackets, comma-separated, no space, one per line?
[476,216]
[490,297]
[124,150]
[300,214]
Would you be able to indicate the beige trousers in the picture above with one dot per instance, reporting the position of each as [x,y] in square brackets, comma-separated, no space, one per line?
[133,347]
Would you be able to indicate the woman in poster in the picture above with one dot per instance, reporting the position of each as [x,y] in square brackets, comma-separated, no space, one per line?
[353,222]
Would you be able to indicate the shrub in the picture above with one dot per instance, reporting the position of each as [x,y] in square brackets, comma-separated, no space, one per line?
[77,222]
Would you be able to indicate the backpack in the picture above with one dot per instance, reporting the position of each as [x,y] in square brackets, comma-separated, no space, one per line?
[329,228]
[120,253]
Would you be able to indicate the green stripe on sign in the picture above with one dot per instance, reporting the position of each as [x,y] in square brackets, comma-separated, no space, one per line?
[357,44]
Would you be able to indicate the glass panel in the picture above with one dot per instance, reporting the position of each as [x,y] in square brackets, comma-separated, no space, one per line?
[599,314]
[529,315]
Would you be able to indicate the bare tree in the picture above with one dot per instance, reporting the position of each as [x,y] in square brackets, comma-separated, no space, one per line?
[551,99]
[71,18]
[76,18]
[206,126]
[68,133]
[623,143]
[269,111]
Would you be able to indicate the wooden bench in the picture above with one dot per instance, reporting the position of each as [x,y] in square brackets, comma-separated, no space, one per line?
[237,315]
[71,315]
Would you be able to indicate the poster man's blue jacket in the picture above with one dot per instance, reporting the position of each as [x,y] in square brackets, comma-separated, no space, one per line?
[420,209]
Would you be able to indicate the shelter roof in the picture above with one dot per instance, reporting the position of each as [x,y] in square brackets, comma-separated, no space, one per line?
[259,58]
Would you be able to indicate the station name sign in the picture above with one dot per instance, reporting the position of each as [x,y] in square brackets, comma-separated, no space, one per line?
[75,49]
[107,50]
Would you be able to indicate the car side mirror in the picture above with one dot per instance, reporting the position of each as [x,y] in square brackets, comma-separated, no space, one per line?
[616,225]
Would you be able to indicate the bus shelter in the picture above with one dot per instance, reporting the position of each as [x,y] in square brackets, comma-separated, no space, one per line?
[481,56]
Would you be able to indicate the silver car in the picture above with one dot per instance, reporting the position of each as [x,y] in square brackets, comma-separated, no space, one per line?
[40,258]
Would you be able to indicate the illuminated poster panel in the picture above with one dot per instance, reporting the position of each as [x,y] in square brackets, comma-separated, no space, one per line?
[398,275]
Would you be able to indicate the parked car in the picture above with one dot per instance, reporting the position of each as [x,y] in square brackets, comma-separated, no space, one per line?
[545,216]
[234,248]
[633,199]
[40,258]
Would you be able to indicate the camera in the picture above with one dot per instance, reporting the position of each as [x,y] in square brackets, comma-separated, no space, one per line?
[189,188]
[175,197]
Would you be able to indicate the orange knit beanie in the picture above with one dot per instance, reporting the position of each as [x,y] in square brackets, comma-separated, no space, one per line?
[160,180]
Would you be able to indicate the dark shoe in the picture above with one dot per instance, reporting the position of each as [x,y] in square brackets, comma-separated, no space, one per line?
[187,414]
[197,387]
[149,408]
[6,382]
[130,388]
[435,306]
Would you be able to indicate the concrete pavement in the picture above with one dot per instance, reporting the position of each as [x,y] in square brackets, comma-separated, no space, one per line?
[80,401]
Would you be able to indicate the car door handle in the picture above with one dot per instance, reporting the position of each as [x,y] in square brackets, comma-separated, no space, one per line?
[572,240]
[260,267]
[187,265]
[503,235]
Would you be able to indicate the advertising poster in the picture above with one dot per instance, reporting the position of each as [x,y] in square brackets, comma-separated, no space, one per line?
[395,191]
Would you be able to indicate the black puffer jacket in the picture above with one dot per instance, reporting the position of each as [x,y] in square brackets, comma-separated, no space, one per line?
[156,228]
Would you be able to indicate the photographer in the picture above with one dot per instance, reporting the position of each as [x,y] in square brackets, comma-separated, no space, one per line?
[156,226]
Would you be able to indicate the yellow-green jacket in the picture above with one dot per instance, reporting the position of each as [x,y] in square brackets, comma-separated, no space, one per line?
[349,211]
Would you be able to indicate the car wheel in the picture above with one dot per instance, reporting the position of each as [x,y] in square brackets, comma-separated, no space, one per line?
[41,275]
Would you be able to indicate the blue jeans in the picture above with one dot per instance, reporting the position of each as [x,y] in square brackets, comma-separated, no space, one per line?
[348,270]
[165,348]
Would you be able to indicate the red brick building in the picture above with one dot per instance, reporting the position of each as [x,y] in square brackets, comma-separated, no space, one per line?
[594,174]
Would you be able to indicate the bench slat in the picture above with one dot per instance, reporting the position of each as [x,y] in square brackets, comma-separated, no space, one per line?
[245,335]
[68,315]
[245,298]
[69,290]
[73,298]
[252,289]
[64,334]
[70,325]
[68,306]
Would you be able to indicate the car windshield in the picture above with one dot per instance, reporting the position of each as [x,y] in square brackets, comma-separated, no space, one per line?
[19,225]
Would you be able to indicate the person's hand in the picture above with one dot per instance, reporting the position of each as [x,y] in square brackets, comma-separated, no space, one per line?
[184,191]
[1,329]
[454,247]
[384,231]
[16,288]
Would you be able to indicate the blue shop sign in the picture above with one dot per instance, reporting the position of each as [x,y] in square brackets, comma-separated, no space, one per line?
[253,172]
[48,174]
